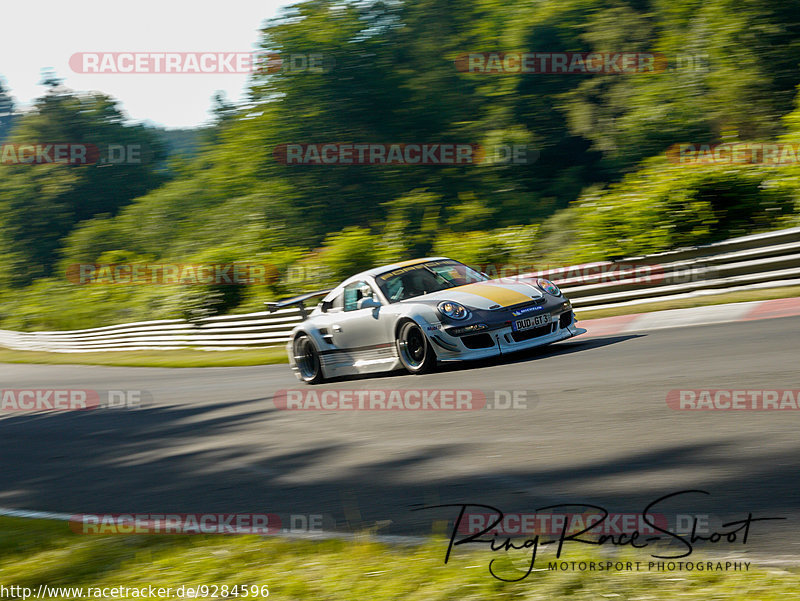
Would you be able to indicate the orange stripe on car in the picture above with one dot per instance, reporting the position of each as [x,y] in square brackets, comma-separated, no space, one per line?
[502,296]
[408,263]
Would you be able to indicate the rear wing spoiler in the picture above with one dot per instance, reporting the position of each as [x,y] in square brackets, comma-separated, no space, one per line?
[296,301]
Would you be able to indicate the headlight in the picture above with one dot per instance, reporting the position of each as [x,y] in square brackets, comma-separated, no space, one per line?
[548,287]
[453,310]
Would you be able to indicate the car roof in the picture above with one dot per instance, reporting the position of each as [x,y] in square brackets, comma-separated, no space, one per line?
[384,268]
[375,271]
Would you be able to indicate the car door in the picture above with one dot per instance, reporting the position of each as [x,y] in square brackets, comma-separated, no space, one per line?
[364,334]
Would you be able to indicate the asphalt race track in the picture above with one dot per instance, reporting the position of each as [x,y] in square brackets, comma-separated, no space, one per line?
[600,433]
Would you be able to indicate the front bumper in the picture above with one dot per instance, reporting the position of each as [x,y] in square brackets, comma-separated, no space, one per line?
[500,339]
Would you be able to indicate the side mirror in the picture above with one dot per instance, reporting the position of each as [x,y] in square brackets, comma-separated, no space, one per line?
[368,303]
[325,305]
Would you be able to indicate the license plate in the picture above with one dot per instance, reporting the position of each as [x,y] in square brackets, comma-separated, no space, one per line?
[531,322]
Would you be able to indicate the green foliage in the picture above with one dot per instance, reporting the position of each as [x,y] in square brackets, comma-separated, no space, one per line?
[597,188]
[731,69]
[667,206]
[193,303]
[7,115]
[348,252]
[410,227]
[41,204]
[505,245]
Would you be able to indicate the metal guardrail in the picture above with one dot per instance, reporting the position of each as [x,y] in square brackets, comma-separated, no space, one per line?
[769,260]
[759,261]
[225,332]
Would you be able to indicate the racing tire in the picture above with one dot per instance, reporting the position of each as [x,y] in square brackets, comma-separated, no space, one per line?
[413,348]
[306,359]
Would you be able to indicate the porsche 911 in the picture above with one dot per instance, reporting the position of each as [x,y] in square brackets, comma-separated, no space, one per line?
[416,314]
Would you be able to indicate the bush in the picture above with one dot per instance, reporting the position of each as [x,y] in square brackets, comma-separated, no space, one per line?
[349,251]
[514,243]
[666,206]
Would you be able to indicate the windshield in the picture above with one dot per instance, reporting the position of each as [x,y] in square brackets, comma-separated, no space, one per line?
[407,282]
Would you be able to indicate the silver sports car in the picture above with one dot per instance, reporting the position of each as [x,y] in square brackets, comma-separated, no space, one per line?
[416,313]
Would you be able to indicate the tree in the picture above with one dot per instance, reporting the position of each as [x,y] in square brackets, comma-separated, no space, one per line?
[42,203]
[6,112]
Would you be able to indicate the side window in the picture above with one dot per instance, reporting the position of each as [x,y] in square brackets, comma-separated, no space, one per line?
[355,292]
[337,303]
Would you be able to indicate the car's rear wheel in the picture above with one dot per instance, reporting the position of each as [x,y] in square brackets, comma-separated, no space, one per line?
[306,358]
[413,348]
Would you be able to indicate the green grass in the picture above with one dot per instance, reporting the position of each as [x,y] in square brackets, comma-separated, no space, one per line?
[176,358]
[700,301]
[34,552]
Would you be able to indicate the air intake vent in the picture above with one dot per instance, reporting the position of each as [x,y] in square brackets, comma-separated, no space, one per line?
[533,333]
[478,341]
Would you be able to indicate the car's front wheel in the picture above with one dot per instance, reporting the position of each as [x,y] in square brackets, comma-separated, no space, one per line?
[413,348]
[306,358]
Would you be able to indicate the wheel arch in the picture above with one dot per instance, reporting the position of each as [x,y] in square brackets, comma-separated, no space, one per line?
[423,326]
[315,339]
